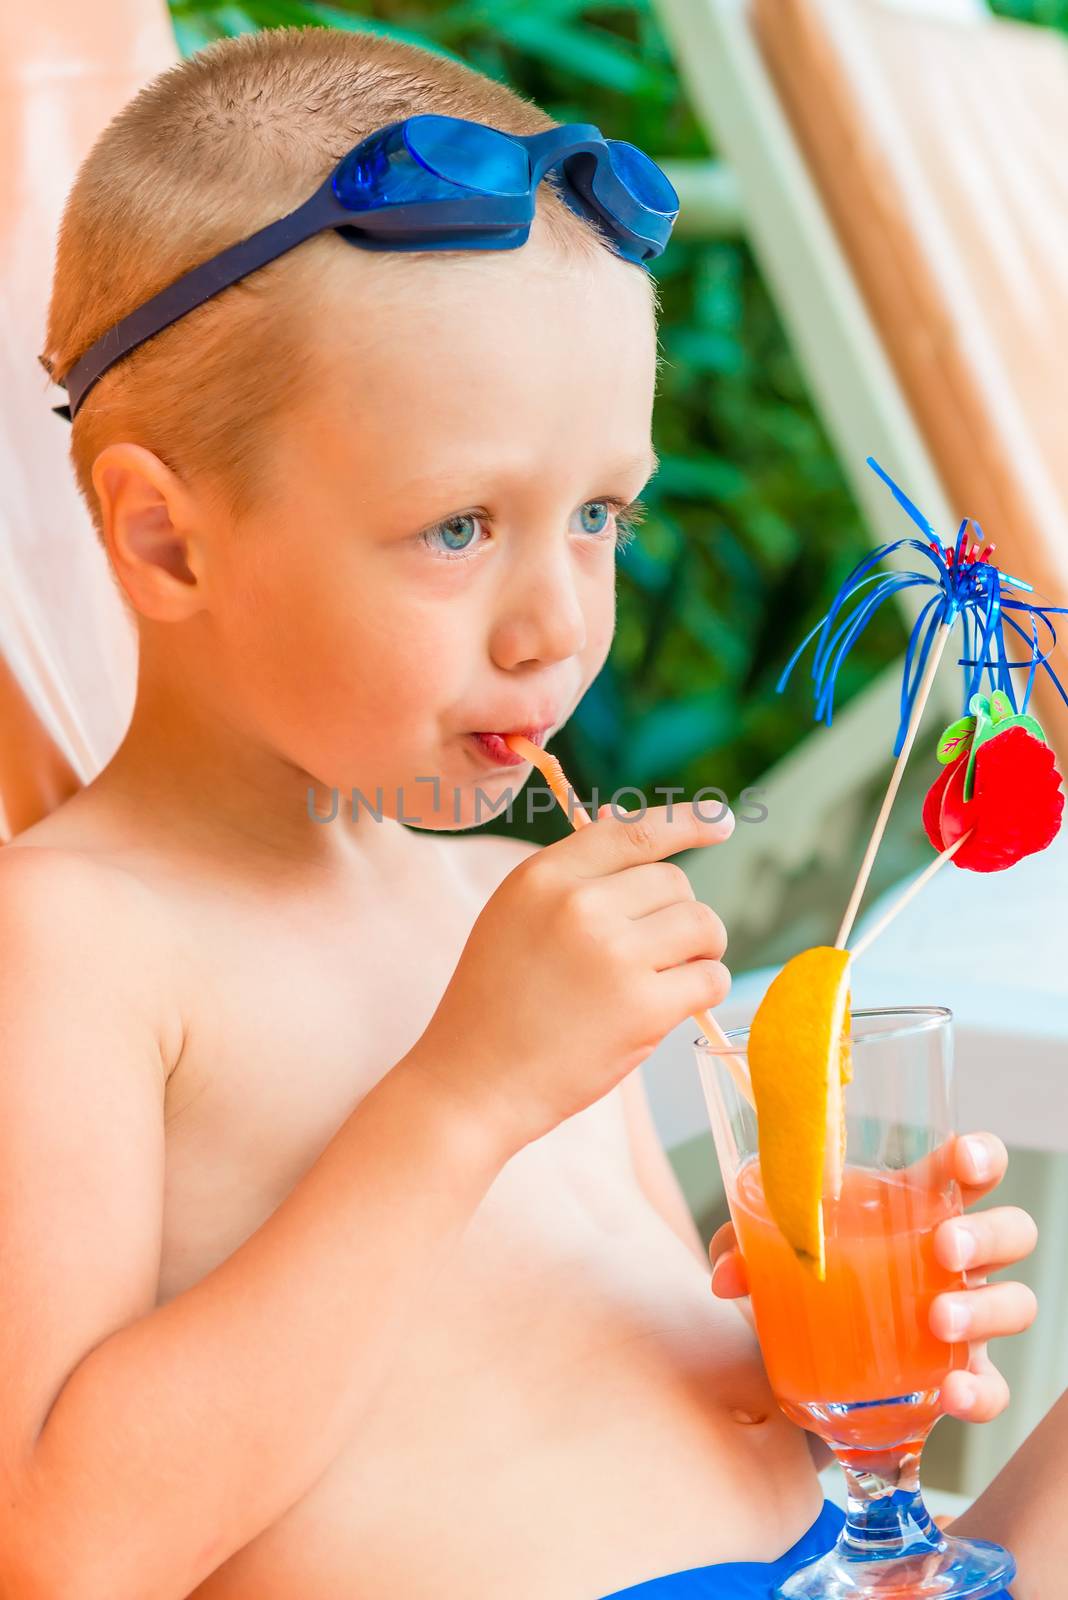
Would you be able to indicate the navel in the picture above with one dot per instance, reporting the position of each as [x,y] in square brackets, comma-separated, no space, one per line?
[747,1419]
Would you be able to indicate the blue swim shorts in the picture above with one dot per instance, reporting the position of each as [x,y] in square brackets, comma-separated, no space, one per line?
[745,1580]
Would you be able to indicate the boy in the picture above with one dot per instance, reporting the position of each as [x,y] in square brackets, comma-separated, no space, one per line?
[335,1265]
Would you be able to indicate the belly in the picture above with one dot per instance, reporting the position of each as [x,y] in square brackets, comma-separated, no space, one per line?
[572,1412]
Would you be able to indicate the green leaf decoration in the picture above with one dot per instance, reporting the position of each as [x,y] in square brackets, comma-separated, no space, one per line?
[1019,720]
[1000,706]
[955,740]
[1033,726]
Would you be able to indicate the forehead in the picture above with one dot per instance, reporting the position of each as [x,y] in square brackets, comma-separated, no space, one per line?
[528,354]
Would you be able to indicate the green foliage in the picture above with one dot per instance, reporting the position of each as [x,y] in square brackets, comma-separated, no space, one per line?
[1050,13]
[750,525]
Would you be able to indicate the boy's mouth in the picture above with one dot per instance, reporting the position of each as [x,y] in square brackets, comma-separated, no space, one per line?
[493,747]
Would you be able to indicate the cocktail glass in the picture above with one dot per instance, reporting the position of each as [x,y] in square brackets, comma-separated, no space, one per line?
[852,1358]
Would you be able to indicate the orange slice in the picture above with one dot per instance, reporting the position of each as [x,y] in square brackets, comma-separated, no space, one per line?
[799,1060]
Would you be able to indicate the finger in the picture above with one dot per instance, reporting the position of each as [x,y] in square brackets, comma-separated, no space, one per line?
[992,1312]
[680,933]
[978,1395]
[975,1161]
[616,841]
[979,1163]
[986,1240]
[650,887]
[722,1240]
[684,990]
[729,1281]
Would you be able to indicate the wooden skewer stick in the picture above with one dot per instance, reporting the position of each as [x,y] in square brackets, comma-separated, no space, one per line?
[568,801]
[898,773]
[910,894]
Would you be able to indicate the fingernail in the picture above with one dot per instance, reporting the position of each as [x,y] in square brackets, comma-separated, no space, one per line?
[965,1246]
[967,1394]
[978,1159]
[957,1320]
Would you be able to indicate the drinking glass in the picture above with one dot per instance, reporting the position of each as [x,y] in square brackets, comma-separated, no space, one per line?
[852,1358]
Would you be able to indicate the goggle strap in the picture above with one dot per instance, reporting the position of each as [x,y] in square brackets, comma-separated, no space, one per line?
[546,149]
[317,213]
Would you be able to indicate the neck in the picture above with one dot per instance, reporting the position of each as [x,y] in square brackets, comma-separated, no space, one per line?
[186,774]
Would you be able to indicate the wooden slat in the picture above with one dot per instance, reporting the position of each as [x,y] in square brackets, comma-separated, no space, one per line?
[934,143]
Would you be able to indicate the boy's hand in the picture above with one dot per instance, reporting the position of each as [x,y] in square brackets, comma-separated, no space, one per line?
[588,953]
[977,1244]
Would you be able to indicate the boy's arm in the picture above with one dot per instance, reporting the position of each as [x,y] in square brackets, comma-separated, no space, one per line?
[652,1168]
[1023,1509]
[140,1446]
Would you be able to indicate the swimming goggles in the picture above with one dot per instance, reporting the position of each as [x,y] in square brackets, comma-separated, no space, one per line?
[425,183]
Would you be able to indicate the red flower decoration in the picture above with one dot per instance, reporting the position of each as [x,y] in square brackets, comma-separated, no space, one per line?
[1016,805]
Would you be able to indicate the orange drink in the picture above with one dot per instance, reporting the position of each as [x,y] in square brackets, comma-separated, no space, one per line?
[862,1335]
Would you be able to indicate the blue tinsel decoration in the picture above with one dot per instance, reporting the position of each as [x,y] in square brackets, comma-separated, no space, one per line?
[967,585]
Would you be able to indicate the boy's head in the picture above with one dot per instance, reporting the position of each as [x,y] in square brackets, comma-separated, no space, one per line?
[265,471]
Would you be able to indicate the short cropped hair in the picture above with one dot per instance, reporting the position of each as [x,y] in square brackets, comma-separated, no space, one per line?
[208,152]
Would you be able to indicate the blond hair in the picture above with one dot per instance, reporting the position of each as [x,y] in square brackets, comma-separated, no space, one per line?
[210,151]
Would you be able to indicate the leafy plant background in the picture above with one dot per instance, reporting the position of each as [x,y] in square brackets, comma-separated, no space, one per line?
[750,526]
[1050,13]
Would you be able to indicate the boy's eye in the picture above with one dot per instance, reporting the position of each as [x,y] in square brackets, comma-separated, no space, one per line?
[457,536]
[594,516]
[605,517]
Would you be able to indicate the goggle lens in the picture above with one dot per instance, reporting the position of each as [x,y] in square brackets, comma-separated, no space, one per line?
[643,178]
[469,155]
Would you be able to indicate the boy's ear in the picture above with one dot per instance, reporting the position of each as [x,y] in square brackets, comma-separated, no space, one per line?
[151,529]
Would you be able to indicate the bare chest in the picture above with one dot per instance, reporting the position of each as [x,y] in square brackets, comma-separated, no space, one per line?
[293,1015]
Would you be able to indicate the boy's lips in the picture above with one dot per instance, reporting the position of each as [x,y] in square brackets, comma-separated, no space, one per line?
[492,745]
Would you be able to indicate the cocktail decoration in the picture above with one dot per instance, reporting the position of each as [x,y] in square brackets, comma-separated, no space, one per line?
[965,585]
[999,784]
[837,1174]
[960,584]
[997,799]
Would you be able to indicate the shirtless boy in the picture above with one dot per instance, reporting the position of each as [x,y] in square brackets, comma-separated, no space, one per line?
[340,1256]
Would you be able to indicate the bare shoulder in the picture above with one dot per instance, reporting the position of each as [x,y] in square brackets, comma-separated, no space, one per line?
[72,919]
[58,878]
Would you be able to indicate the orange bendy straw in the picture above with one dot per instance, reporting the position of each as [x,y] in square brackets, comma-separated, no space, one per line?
[568,801]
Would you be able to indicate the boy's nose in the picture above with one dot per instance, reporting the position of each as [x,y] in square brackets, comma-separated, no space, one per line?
[541,619]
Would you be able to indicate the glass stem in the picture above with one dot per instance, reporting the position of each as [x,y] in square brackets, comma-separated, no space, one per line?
[884,1507]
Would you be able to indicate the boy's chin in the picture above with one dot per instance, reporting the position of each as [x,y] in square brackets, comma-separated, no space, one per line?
[440,806]
[465,806]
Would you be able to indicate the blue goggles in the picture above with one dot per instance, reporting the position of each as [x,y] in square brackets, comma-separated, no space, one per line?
[426,183]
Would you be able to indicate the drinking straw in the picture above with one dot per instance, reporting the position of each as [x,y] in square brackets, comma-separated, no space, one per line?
[565,796]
